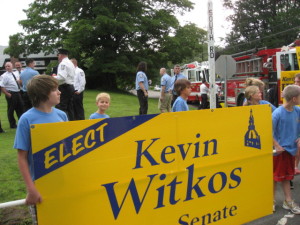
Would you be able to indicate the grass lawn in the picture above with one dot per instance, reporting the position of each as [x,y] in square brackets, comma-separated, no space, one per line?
[11,183]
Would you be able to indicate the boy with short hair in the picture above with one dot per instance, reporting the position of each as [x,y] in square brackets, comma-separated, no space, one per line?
[285,139]
[103,102]
[44,95]
[183,90]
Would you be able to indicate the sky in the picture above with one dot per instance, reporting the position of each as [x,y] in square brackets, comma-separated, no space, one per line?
[11,12]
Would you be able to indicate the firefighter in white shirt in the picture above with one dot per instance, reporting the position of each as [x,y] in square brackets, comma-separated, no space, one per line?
[65,76]
[79,85]
[204,95]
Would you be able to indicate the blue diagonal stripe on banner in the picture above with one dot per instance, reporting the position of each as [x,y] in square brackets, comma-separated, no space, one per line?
[83,142]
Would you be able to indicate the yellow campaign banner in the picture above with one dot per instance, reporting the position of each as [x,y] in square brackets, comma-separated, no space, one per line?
[287,78]
[298,55]
[196,167]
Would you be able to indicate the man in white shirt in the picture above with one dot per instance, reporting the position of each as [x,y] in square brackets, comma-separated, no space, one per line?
[204,95]
[10,86]
[65,76]
[218,90]
[177,76]
[1,130]
[79,85]
[19,68]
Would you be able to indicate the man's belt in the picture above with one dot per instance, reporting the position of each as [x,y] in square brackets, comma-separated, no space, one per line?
[65,85]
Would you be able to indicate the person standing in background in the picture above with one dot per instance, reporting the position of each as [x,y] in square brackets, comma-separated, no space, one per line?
[27,75]
[177,76]
[10,86]
[204,95]
[141,86]
[18,67]
[218,90]
[79,85]
[164,102]
[297,157]
[65,76]
[1,130]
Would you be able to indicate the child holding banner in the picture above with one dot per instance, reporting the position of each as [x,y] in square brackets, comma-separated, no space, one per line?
[44,95]
[103,102]
[285,139]
[183,90]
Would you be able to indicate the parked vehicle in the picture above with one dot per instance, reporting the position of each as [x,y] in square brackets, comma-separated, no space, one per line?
[275,67]
[157,88]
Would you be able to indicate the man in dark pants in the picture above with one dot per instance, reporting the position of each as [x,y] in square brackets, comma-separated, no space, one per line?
[65,76]
[204,95]
[1,130]
[10,86]
[79,85]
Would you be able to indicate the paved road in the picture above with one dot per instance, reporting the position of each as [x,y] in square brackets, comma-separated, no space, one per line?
[151,94]
[282,216]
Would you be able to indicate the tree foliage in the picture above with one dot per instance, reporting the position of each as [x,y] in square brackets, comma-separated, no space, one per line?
[262,23]
[109,38]
[16,46]
[188,44]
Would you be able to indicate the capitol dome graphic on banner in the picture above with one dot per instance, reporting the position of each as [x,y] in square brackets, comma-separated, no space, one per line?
[252,138]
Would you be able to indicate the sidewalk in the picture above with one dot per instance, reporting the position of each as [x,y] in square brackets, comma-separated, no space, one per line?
[151,94]
[281,216]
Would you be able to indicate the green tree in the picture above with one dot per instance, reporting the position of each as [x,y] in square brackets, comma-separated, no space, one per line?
[266,23]
[16,45]
[107,37]
[187,45]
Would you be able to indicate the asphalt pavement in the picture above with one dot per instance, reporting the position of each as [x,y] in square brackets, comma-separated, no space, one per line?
[151,94]
[282,216]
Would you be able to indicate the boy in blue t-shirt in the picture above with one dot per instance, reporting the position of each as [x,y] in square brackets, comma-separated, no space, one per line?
[44,94]
[285,139]
[103,102]
[183,89]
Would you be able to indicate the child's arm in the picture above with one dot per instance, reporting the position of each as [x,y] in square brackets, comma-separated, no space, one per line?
[33,196]
[277,146]
[298,143]
[142,87]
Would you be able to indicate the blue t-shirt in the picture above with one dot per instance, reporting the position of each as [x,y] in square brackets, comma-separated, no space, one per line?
[166,81]
[286,128]
[34,116]
[264,102]
[141,77]
[98,116]
[180,105]
[27,75]
[174,79]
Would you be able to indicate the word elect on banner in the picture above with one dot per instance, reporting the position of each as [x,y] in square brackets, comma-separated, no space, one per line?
[172,168]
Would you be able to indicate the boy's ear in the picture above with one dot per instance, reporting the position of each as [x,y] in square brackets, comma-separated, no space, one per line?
[294,99]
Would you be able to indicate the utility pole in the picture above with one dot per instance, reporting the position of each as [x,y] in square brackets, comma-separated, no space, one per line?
[211,55]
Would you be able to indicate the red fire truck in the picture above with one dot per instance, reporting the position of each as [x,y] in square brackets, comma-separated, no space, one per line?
[275,67]
[196,72]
